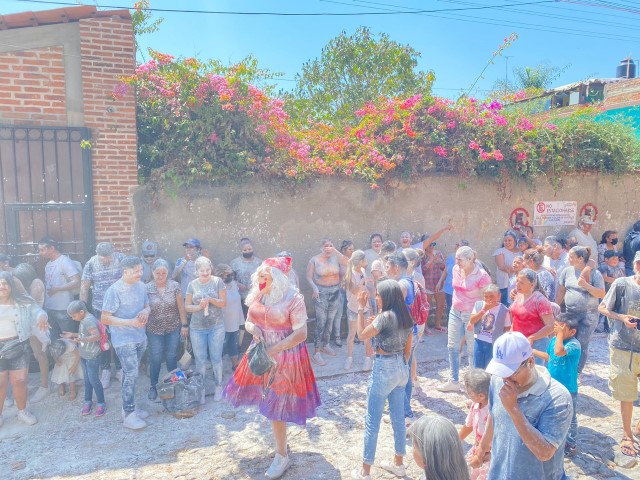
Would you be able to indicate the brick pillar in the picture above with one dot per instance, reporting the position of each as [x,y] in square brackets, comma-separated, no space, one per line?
[107,49]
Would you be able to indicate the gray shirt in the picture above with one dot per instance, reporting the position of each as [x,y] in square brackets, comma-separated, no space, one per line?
[624,298]
[198,291]
[88,350]
[243,271]
[126,301]
[576,298]
[391,337]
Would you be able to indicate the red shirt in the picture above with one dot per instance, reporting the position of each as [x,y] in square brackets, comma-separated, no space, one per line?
[526,315]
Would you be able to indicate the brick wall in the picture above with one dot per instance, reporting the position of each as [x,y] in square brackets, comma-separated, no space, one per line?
[33,87]
[625,93]
[108,52]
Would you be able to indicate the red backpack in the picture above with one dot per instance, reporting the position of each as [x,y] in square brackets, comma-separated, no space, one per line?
[420,306]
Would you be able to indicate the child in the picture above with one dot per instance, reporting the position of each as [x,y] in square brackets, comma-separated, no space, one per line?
[88,341]
[233,316]
[563,355]
[611,269]
[489,319]
[517,265]
[477,382]
[66,371]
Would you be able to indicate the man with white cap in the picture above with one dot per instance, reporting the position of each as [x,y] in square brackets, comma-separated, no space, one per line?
[582,233]
[622,305]
[530,414]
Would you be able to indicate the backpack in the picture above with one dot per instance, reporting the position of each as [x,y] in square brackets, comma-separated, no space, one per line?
[420,306]
[104,338]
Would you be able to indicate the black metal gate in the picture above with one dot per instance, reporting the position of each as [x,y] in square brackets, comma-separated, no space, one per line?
[46,190]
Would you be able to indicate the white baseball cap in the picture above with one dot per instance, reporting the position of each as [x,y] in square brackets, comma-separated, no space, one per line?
[509,351]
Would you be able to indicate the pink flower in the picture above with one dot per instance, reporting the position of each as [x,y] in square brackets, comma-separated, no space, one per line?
[525,124]
[440,151]
[119,91]
[485,155]
[522,156]
[410,102]
[500,120]
[473,145]
[348,171]
[261,129]
[359,133]
[375,186]
[451,125]
[497,154]
[213,138]
[550,126]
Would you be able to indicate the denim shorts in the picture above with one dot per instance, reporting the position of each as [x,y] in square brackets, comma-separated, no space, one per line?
[18,363]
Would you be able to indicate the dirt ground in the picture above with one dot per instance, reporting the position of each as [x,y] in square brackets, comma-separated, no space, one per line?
[221,442]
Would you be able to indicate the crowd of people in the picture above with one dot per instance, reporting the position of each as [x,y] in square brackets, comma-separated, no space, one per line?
[526,325]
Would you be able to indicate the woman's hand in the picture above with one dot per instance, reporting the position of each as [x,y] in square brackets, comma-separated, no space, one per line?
[203,303]
[316,294]
[258,336]
[470,327]
[583,283]
[184,331]
[439,286]
[512,294]
[363,299]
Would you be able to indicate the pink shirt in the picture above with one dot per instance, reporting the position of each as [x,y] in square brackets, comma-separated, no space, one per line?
[467,290]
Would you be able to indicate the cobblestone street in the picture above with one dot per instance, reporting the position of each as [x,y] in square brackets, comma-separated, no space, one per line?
[225,443]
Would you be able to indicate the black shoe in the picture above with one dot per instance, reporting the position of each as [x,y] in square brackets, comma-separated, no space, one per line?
[338,342]
[153,394]
[570,451]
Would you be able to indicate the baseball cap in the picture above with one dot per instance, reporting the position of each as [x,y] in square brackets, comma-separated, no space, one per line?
[636,258]
[149,248]
[194,242]
[104,249]
[509,351]
[587,220]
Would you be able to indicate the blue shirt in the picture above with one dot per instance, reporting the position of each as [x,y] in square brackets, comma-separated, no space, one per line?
[126,301]
[565,369]
[448,286]
[547,405]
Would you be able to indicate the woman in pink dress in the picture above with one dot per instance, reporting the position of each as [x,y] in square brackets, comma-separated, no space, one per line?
[288,392]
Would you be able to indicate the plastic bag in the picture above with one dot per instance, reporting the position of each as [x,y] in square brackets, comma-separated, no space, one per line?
[181,392]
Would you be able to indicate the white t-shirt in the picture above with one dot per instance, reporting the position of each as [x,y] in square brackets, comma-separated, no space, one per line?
[488,321]
[57,273]
[586,240]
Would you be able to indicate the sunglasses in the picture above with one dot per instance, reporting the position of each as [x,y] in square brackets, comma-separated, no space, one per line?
[149,256]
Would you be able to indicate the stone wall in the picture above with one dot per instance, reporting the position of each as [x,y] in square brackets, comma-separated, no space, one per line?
[277,219]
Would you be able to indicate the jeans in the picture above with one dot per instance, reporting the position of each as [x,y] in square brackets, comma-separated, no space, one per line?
[482,353]
[60,322]
[504,296]
[130,355]
[90,370]
[457,330]
[326,308]
[572,435]
[387,381]
[541,344]
[159,347]
[337,319]
[209,341]
[586,325]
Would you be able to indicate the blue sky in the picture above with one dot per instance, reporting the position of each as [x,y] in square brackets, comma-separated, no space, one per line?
[589,40]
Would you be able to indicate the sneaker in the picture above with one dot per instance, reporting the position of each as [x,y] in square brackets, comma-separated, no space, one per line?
[105,378]
[41,394]
[329,351]
[142,414]
[338,342]
[153,393]
[449,386]
[86,409]
[26,417]
[358,474]
[397,470]
[101,409]
[318,359]
[133,422]
[278,466]
[8,402]
[570,451]
[218,395]
[348,362]
[119,376]
[368,363]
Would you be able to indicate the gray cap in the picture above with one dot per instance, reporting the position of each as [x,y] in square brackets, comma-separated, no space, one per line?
[104,249]
[149,248]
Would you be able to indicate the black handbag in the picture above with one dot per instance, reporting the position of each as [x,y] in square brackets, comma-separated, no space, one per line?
[259,360]
[12,349]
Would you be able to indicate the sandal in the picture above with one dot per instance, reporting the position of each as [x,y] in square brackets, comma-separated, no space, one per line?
[628,447]
[428,332]
[440,329]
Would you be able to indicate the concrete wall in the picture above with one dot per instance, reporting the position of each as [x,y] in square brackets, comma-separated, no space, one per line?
[276,219]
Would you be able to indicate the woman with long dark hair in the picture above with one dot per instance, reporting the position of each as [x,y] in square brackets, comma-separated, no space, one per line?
[19,314]
[391,333]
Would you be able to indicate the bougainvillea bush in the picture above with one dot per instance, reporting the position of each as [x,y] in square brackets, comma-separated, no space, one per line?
[203,122]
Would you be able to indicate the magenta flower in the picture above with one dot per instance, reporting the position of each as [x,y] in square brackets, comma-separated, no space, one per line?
[213,138]
[440,151]
[497,154]
[473,145]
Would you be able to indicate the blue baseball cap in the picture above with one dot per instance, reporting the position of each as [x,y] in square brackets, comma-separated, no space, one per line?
[193,242]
